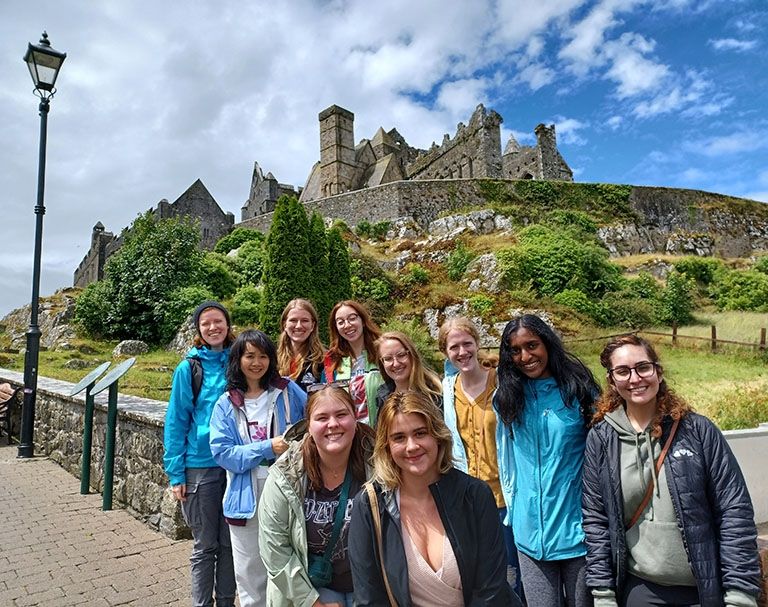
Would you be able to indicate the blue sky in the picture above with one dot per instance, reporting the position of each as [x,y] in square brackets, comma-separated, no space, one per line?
[155,95]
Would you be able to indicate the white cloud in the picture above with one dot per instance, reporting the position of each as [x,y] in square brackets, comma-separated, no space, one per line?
[536,76]
[567,130]
[614,122]
[734,143]
[630,69]
[732,44]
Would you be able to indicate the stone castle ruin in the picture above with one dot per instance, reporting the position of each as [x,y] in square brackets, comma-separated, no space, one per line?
[196,202]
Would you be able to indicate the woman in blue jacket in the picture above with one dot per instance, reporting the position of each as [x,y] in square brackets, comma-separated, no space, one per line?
[544,399]
[196,481]
[247,429]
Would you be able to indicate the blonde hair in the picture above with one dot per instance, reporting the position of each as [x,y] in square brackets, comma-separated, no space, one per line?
[311,350]
[421,379]
[386,472]
[462,323]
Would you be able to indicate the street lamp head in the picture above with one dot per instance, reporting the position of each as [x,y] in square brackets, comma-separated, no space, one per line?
[44,64]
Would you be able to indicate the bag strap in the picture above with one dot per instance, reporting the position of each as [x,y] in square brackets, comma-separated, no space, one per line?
[377,528]
[649,491]
[339,518]
[287,407]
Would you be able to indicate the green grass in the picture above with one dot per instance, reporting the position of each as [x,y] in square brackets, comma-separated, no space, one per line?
[733,326]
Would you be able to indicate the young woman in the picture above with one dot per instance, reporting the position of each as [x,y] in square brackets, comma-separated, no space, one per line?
[196,480]
[434,536]
[299,351]
[402,369]
[544,399]
[352,356]
[246,436]
[300,513]
[468,388]
[667,514]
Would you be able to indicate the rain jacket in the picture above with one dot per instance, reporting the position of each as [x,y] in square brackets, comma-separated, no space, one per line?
[187,423]
[232,447]
[543,494]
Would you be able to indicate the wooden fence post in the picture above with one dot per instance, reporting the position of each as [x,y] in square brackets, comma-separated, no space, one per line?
[762,338]
[714,338]
[674,333]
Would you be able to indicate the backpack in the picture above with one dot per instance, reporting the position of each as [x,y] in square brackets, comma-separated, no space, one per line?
[196,368]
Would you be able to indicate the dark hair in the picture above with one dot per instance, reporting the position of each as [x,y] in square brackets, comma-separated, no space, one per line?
[667,402]
[339,347]
[572,376]
[257,339]
[362,444]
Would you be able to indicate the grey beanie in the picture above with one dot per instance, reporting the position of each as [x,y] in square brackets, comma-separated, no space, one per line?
[205,306]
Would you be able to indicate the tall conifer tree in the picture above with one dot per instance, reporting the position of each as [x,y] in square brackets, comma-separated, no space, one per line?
[339,276]
[320,275]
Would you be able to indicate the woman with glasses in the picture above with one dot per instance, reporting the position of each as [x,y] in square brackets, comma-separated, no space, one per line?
[352,356]
[667,514]
[544,400]
[247,429]
[306,506]
[299,351]
[402,369]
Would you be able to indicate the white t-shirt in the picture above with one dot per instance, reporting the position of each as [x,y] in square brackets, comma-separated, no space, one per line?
[257,414]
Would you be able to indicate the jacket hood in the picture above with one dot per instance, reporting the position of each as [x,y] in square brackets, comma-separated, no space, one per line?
[205,353]
[634,443]
[449,369]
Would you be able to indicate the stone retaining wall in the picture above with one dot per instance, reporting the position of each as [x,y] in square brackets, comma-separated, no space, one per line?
[140,483]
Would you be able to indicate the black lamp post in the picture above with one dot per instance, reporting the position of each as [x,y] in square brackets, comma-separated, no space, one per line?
[44,64]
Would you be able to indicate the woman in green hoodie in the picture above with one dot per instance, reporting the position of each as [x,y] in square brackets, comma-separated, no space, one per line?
[667,515]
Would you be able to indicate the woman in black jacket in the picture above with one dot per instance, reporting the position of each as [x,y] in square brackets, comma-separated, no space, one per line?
[440,539]
[668,521]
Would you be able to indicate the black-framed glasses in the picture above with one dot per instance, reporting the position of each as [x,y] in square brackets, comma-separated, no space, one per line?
[643,370]
[341,383]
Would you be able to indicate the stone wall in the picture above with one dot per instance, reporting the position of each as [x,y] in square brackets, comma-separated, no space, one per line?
[140,483]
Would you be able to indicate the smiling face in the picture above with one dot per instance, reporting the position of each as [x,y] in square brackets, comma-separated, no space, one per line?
[254,363]
[213,327]
[298,326]
[331,424]
[413,449]
[529,354]
[461,350]
[636,391]
[350,326]
[397,362]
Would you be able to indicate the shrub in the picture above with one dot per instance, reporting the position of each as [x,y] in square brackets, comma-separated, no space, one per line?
[579,221]
[339,285]
[371,285]
[745,408]
[415,275]
[676,300]
[624,309]
[251,261]
[216,276]
[761,265]
[579,301]
[458,260]
[92,309]
[236,238]
[704,270]
[481,304]
[645,286]
[180,304]
[742,290]
[245,306]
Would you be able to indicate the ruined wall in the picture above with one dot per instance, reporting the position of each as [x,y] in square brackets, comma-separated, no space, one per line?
[337,151]
[91,268]
[542,161]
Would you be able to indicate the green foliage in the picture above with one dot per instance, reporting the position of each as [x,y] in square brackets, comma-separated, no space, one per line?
[458,260]
[287,262]
[216,276]
[497,193]
[579,301]
[676,300]
[578,221]
[741,290]
[415,274]
[761,265]
[481,304]
[424,343]
[236,238]
[320,274]
[645,286]
[339,285]
[250,258]
[704,270]
[156,259]
[553,260]
[541,193]
[373,231]
[744,408]
[179,305]
[246,305]
[93,307]
[625,309]
[371,285]
[374,289]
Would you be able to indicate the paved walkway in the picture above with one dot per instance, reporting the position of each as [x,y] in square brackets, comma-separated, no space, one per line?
[59,548]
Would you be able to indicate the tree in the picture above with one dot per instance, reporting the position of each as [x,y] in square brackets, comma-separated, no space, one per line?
[320,275]
[676,299]
[236,238]
[287,269]
[339,274]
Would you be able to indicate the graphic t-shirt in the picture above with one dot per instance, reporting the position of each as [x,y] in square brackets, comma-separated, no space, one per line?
[257,414]
[320,511]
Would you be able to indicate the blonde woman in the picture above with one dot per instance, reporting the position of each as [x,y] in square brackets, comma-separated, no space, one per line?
[299,351]
[402,369]
[441,539]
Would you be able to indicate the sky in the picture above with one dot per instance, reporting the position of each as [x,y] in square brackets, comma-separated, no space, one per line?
[154,95]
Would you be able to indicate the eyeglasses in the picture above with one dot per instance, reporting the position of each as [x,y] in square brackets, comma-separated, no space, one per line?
[643,370]
[351,319]
[400,357]
[342,383]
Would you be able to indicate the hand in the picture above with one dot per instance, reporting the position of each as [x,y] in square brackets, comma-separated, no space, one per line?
[317,603]
[180,492]
[279,446]
[6,391]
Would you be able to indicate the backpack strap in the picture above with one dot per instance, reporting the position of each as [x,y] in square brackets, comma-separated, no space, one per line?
[196,370]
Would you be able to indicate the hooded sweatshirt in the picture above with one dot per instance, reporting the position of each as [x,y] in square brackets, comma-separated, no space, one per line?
[654,543]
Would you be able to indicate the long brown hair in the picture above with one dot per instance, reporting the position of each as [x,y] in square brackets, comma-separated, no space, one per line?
[667,402]
[339,347]
[311,350]
[361,444]
[421,378]
[386,471]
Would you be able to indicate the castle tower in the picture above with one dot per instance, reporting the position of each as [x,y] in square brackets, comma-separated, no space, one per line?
[552,164]
[337,150]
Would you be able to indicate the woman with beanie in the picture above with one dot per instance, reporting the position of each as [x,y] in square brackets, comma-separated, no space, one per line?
[196,481]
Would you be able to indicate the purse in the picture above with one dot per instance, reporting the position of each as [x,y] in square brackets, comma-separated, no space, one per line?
[319,567]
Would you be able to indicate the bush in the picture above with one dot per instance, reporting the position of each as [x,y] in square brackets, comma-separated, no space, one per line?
[742,290]
[216,276]
[624,309]
[745,408]
[236,238]
[481,304]
[578,300]
[373,231]
[93,307]
[371,285]
[180,304]
[458,261]
[245,306]
[676,300]
[761,265]
[579,221]
[250,258]
[415,275]
[645,286]
[704,270]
